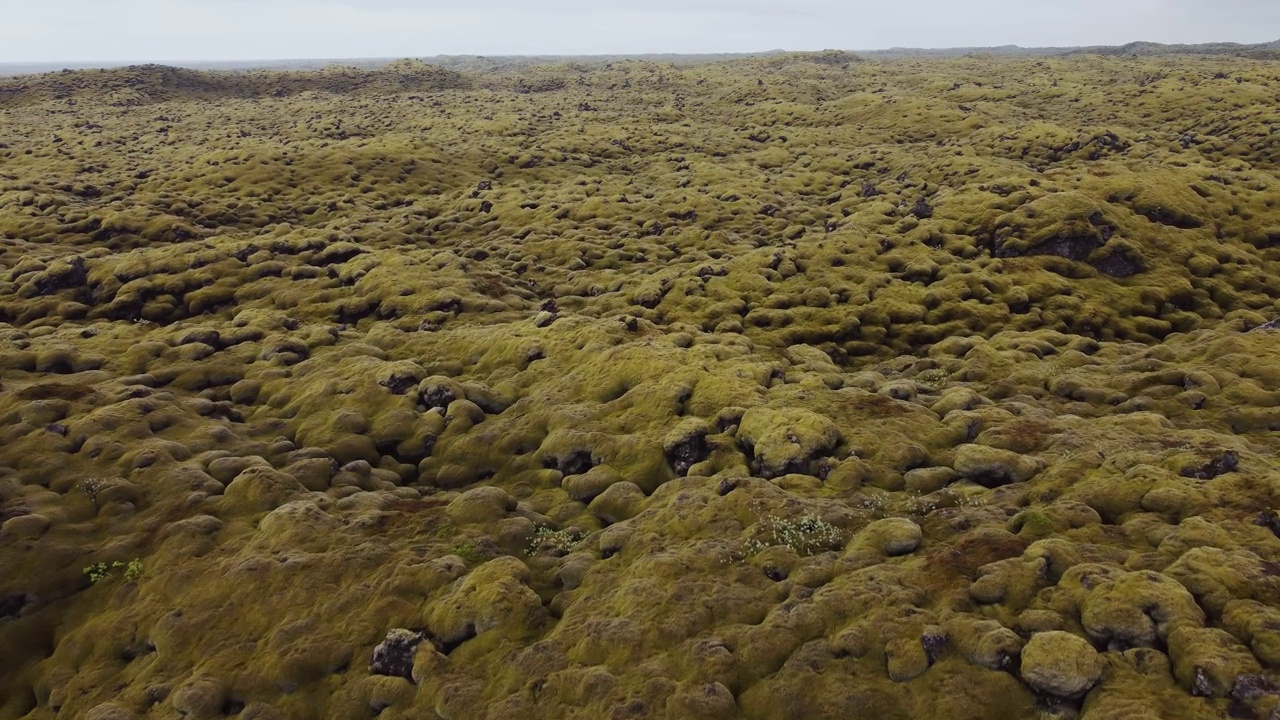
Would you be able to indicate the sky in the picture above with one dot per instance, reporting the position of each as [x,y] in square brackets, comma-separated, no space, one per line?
[175,30]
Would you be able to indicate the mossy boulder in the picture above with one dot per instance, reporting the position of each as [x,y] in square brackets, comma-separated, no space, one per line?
[983,642]
[993,467]
[928,480]
[495,597]
[620,501]
[1060,663]
[1129,608]
[1256,624]
[784,440]
[589,485]
[200,697]
[481,505]
[261,488]
[891,536]
[1208,661]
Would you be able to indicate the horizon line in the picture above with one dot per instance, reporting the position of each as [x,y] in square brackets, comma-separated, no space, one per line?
[90,64]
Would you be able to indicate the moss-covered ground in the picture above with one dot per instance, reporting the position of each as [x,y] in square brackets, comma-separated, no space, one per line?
[789,387]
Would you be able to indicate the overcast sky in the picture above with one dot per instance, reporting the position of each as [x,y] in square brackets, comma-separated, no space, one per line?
[174,30]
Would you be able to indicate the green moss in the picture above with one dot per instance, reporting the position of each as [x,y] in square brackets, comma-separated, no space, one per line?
[518,358]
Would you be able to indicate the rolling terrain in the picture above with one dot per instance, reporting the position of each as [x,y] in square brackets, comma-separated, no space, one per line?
[795,386]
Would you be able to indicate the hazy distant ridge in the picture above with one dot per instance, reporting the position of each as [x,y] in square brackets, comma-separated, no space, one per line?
[489,63]
[146,84]
[1134,48]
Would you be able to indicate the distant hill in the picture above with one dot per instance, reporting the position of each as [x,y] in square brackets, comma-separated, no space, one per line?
[468,63]
[14,69]
[506,63]
[352,75]
[1005,50]
[147,84]
[1150,48]
[1257,51]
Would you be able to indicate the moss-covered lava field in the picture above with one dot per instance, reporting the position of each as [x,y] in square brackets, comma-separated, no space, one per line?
[801,386]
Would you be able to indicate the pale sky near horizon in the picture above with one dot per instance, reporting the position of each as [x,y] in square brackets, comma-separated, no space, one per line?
[175,30]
